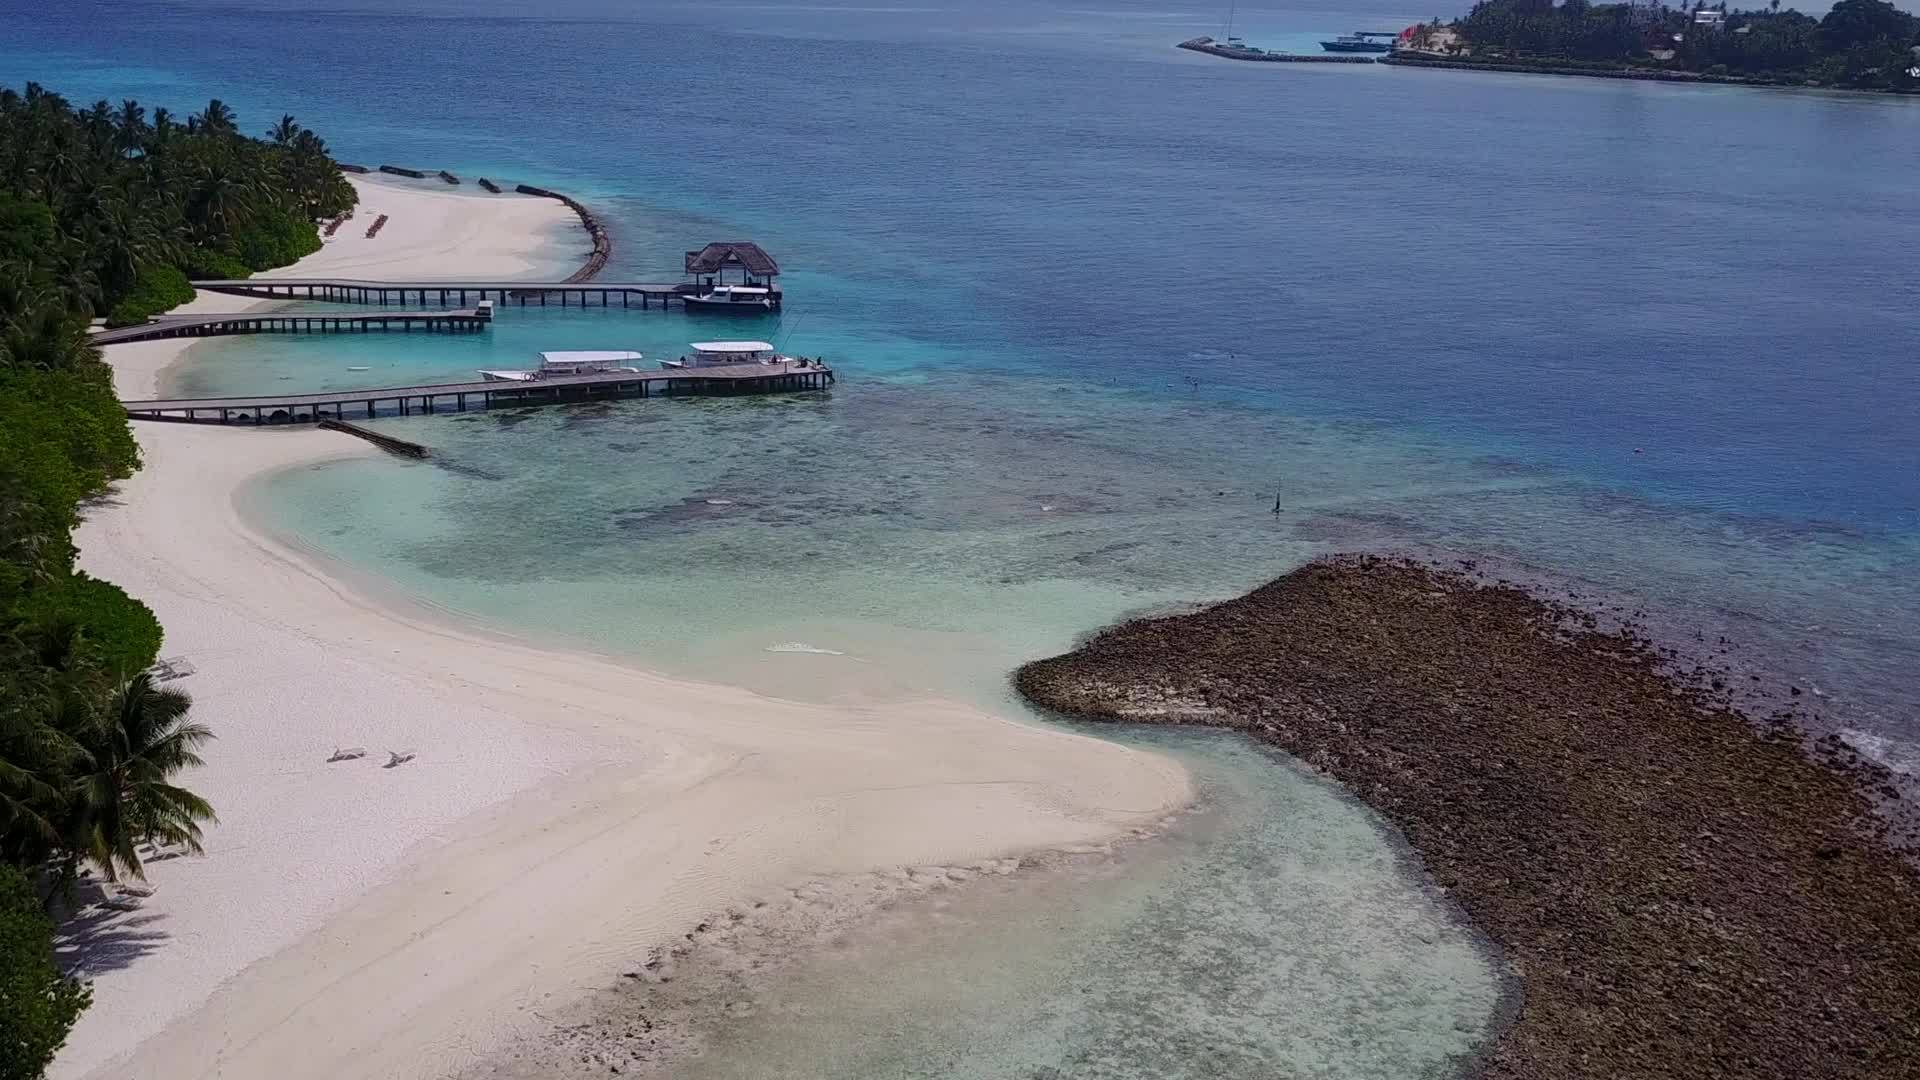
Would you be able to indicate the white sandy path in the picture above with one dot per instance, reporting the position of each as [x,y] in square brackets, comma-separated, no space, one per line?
[565,813]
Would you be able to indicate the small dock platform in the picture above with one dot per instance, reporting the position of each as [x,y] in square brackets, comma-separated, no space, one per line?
[465,320]
[460,397]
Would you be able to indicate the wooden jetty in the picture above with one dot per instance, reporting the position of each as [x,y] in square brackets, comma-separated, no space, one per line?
[466,320]
[459,397]
[351,291]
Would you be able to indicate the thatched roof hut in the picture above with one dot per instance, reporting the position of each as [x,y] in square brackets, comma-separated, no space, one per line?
[748,256]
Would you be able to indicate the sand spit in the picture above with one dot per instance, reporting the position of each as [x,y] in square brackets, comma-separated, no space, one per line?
[665,1004]
[1682,891]
[562,814]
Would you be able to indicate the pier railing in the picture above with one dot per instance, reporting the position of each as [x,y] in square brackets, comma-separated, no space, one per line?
[459,397]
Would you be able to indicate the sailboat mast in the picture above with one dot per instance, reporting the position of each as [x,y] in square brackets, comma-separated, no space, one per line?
[1230,10]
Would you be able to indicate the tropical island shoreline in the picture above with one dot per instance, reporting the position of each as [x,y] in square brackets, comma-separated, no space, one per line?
[563,812]
[1859,45]
[1682,890]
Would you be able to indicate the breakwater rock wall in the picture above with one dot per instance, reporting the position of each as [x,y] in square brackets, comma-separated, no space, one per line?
[395,170]
[602,243]
[391,445]
[1214,48]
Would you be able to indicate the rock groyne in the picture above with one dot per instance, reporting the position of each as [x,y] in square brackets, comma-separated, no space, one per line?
[602,243]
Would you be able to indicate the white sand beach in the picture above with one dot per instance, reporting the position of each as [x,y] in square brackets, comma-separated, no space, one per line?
[564,813]
[429,235]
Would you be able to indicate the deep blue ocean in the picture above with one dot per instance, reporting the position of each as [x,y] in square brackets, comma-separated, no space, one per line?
[1098,302]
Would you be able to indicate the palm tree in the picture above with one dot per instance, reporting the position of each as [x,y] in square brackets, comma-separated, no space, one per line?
[220,199]
[284,132]
[124,242]
[130,127]
[125,797]
[218,119]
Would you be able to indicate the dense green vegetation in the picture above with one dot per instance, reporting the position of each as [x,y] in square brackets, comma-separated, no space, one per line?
[103,211]
[37,1003]
[1864,44]
[90,197]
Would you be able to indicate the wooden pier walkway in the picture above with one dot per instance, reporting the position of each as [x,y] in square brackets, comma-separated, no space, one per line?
[464,320]
[351,291]
[458,397]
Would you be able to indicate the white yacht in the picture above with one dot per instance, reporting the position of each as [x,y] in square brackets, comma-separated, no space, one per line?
[734,299]
[555,365]
[724,353]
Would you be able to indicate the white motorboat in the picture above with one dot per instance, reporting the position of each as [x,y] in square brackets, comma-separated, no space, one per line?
[732,299]
[556,365]
[726,353]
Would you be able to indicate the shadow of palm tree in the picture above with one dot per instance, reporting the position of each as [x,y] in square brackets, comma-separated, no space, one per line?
[99,940]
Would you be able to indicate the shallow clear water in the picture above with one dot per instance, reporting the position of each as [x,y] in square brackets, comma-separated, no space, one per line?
[1656,336]
[1100,308]
[1274,933]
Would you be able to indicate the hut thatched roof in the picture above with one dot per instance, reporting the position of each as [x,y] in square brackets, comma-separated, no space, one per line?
[742,253]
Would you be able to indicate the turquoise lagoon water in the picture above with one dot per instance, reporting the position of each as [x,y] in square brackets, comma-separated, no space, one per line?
[1119,327]
[1274,934]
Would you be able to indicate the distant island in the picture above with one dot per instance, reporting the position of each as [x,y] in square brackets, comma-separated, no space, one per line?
[1859,45]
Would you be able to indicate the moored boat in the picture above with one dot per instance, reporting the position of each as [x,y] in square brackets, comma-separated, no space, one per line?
[732,299]
[1365,41]
[726,353]
[561,364]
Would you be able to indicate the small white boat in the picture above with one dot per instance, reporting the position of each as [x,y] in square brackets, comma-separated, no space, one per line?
[556,365]
[722,353]
[732,299]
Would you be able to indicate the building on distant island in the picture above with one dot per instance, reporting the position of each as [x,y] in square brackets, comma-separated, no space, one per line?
[1431,39]
[1711,18]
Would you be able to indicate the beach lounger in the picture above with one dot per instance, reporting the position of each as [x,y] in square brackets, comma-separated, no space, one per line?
[171,667]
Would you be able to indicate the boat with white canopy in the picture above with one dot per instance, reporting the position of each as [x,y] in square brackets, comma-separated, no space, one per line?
[722,353]
[732,299]
[555,365]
